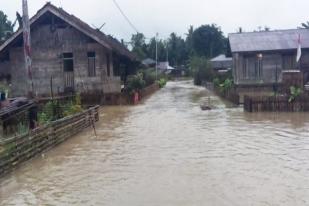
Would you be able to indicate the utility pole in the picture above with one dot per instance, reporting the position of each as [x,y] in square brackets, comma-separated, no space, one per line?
[157,56]
[27,46]
[167,52]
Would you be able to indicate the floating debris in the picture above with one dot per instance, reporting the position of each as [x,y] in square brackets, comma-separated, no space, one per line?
[205,107]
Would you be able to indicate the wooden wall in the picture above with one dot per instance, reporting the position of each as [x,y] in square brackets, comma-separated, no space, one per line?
[276,104]
[47,49]
[272,63]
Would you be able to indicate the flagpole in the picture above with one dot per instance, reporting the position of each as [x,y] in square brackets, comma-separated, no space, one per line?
[27,47]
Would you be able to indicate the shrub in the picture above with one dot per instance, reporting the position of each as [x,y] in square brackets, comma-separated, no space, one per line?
[53,110]
[226,85]
[135,82]
[22,128]
[216,82]
[201,70]
[149,75]
[162,82]
[295,92]
[72,109]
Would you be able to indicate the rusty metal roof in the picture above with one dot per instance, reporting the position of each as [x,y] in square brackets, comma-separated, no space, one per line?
[268,40]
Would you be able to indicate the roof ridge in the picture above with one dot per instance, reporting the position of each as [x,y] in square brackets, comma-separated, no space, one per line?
[80,25]
[271,31]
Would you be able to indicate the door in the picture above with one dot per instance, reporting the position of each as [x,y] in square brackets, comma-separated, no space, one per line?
[68,72]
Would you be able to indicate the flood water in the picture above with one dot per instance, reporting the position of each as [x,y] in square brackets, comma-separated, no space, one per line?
[167,152]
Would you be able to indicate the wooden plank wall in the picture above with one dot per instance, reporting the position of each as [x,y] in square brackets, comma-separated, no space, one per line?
[17,150]
[276,104]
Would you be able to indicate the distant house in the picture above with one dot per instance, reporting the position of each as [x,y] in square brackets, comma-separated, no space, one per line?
[221,63]
[67,52]
[149,62]
[260,58]
[165,67]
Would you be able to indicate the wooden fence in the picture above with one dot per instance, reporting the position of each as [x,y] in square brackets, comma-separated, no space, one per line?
[149,90]
[19,149]
[275,104]
[230,95]
[117,98]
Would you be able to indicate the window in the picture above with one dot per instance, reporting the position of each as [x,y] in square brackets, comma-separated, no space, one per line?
[108,65]
[68,65]
[252,68]
[289,61]
[91,64]
[259,68]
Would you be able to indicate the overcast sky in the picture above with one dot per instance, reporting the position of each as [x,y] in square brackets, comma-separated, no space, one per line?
[166,16]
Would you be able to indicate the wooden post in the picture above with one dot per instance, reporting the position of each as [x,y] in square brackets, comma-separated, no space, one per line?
[51,88]
[27,47]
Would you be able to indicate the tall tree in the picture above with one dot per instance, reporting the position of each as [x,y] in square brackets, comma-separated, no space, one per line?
[6,27]
[208,41]
[189,41]
[151,49]
[305,25]
[177,50]
[139,45]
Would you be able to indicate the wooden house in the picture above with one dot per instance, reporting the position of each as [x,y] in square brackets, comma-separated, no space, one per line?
[67,56]
[221,63]
[260,58]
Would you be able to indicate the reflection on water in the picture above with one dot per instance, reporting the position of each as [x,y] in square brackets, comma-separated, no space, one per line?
[167,151]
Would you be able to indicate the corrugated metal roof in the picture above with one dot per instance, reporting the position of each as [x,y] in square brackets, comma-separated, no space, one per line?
[148,61]
[268,40]
[98,36]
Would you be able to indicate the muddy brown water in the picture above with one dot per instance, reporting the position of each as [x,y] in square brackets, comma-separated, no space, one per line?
[167,151]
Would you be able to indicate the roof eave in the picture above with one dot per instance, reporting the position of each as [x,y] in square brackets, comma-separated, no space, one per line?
[50,8]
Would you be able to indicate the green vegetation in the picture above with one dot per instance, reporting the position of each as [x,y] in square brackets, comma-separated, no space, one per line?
[305,25]
[4,88]
[201,70]
[54,110]
[22,129]
[135,83]
[8,148]
[149,76]
[223,85]
[162,82]
[295,92]
[6,27]
[226,85]
[208,41]
[193,52]
[144,78]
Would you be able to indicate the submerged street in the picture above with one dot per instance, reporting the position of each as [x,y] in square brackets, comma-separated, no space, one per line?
[166,151]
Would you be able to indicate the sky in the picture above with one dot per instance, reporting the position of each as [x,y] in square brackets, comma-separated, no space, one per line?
[166,16]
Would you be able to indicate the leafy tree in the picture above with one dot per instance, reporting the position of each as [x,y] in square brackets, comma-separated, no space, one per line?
[6,27]
[201,69]
[228,51]
[177,50]
[189,41]
[208,41]
[139,45]
[305,25]
[151,49]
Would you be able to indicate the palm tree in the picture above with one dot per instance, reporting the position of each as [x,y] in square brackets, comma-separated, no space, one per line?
[305,25]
